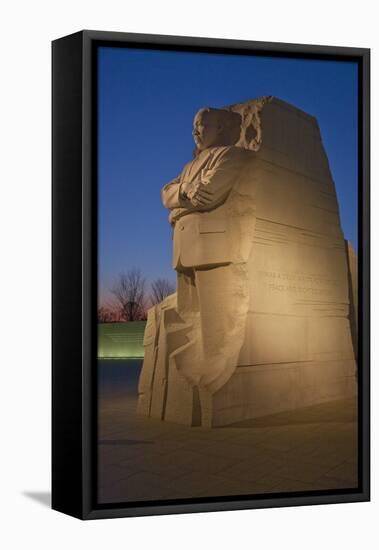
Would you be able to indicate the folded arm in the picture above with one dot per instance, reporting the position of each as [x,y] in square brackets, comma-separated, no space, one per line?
[210,188]
[216,183]
[171,196]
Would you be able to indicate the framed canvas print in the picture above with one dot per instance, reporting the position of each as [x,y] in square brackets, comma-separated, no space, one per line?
[210,274]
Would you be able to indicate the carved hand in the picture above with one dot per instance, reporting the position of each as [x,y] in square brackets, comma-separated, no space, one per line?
[199,195]
[185,189]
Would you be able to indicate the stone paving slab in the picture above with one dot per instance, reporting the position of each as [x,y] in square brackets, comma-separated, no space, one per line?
[144,459]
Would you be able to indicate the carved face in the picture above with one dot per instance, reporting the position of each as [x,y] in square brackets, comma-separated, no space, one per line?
[206,130]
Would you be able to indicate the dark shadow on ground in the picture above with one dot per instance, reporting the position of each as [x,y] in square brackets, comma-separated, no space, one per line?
[41,497]
[334,411]
[125,442]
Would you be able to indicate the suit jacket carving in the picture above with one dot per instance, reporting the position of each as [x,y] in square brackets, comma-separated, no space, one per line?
[202,235]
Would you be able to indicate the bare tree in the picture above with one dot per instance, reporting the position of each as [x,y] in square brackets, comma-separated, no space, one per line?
[106,314]
[130,293]
[103,315]
[160,288]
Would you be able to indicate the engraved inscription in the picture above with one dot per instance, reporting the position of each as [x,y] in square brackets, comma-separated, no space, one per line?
[298,282]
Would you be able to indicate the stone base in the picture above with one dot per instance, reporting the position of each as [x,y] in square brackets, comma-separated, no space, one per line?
[255,391]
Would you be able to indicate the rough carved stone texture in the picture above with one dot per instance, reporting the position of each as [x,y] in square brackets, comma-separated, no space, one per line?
[260,322]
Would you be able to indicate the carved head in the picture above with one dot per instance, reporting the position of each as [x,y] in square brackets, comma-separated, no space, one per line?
[215,127]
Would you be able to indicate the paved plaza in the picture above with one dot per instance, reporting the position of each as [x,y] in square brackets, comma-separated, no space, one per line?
[313,448]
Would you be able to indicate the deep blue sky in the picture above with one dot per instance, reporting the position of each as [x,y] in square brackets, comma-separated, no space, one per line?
[147,101]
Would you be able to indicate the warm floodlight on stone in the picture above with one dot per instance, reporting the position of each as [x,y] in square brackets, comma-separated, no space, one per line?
[265,308]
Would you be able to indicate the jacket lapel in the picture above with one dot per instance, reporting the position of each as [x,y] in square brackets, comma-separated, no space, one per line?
[198,164]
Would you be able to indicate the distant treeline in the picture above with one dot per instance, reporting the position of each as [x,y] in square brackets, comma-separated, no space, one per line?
[132,297]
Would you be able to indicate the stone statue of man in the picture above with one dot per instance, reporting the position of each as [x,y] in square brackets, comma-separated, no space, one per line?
[206,248]
[260,320]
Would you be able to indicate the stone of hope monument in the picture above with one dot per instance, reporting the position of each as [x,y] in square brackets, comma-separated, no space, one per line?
[264,319]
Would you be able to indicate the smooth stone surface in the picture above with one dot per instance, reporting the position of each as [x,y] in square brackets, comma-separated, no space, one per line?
[265,311]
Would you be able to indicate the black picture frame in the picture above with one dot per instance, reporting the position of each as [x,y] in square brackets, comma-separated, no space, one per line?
[74,271]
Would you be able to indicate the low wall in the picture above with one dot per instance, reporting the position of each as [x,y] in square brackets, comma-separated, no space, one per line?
[120,340]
